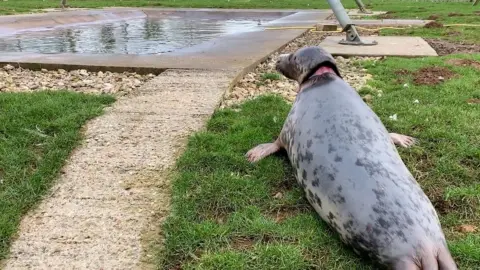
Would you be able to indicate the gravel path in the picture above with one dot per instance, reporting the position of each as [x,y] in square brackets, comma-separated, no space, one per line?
[23,80]
[112,194]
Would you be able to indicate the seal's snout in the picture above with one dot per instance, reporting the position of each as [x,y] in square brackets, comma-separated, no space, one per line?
[282,59]
[284,66]
[305,62]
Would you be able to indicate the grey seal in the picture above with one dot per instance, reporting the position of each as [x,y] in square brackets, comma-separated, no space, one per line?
[344,159]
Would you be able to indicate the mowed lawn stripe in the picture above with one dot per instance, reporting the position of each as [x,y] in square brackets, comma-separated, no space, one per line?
[38,131]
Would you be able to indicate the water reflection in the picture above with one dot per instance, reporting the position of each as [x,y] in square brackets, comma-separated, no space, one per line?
[70,37]
[136,36]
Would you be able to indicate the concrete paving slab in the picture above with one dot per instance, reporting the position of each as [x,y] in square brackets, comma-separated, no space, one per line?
[387,46]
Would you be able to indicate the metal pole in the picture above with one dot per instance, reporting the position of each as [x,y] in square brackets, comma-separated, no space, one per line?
[63,4]
[361,7]
[353,38]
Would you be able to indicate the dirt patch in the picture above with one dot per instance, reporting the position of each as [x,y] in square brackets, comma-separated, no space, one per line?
[471,161]
[467,228]
[401,76]
[464,63]
[442,206]
[473,101]
[387,16]
[444,47]
[463,207]
[368,30]
[284,212]
[433,17]
[433,24]
[403,72]
[247,242]
[286,185]
[432,75]
[453,33]
[455,14]
[242,243]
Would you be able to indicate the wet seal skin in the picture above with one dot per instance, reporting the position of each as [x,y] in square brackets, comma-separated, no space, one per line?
[351,172]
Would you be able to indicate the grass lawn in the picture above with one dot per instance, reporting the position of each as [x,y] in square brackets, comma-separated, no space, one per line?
[446,13]
[37,133]
[229,214]
[16,6]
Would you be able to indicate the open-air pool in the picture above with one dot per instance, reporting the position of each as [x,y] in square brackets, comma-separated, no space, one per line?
[146,35]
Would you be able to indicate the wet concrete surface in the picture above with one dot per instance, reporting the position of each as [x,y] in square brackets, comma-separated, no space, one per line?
[125,31]
[233,51]
[146,35]
[11,24]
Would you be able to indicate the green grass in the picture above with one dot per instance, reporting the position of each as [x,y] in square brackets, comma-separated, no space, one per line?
[19,6]
[224,213]
[443,10]
[37,133]
[270,76]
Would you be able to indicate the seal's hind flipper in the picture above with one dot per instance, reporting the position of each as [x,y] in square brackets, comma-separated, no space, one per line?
[445,260]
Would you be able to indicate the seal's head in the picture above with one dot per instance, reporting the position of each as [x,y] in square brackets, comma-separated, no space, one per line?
[305,62]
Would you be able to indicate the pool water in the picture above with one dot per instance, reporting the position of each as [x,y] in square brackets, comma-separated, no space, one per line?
[134,36]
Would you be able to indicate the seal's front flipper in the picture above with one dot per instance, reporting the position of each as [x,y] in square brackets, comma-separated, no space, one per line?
[262,150]
[402,140]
